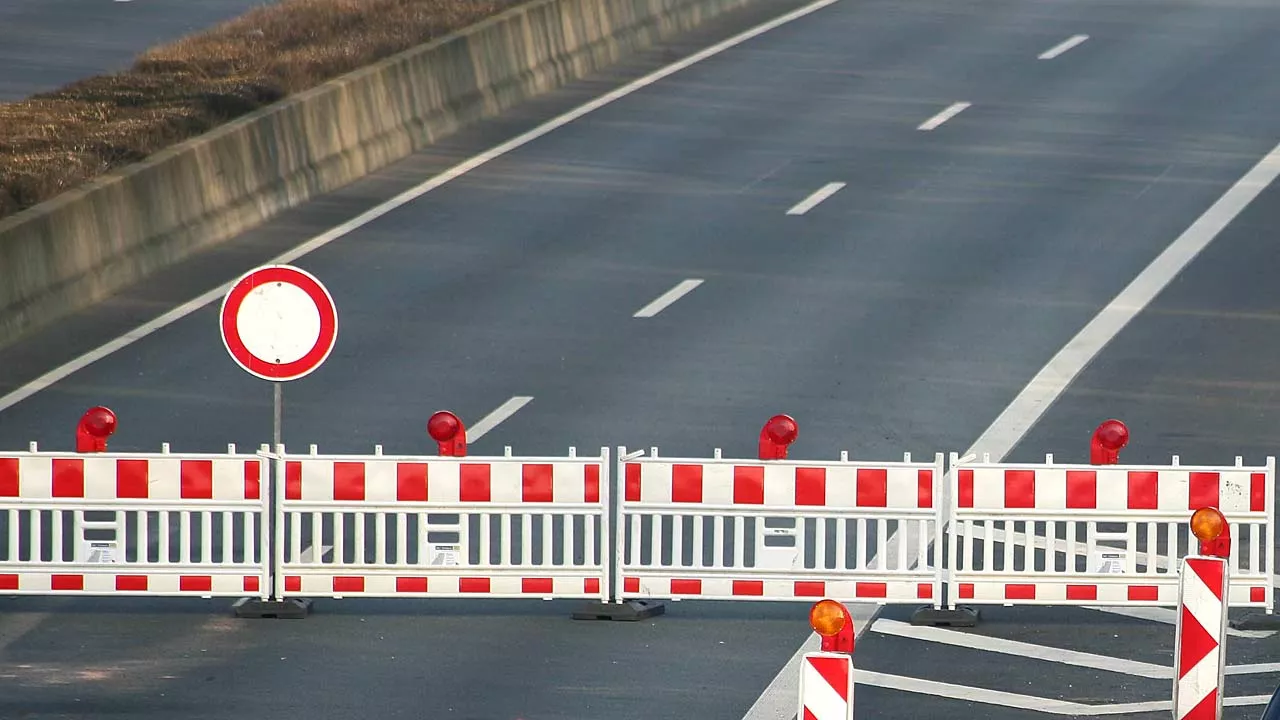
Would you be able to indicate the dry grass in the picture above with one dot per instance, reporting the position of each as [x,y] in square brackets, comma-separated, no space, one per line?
[54,141]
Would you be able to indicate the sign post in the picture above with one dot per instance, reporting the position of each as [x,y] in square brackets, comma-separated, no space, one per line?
[278,323]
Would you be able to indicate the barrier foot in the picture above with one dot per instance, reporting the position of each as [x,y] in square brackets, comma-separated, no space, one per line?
[1257,621]
[257,608]
[625,611]
[942,617]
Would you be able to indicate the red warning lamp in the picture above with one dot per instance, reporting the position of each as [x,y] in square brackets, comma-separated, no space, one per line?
[831,620]
[779,432]
[1108,440]
[1210,527]
[95,426]
[447,430]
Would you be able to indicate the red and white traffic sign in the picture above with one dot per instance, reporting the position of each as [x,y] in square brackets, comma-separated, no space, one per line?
[279,322]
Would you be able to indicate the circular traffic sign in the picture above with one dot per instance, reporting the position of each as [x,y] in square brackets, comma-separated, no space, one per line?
[279,322]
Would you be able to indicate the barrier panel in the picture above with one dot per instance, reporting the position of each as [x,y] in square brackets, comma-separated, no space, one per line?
[777,529]
[384,526]
[1115,533]
[133,524]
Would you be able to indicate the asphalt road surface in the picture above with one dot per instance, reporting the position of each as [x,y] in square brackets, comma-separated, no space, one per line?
[45,44]
[903,312]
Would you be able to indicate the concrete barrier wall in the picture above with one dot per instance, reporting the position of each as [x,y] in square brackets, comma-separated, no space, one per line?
[80,247]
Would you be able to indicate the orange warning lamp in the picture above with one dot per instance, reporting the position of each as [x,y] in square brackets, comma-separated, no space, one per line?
[1210,527]
[447,430]
[832,621]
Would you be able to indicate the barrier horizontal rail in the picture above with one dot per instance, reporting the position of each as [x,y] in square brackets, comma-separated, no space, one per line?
[387,526]
[1100,535]
[776,529]
[133,524]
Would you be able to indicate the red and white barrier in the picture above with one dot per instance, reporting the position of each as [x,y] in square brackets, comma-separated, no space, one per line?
[1116,532]
[139,524]
[382,526]
[1199,653]
[826,686]
[758,530]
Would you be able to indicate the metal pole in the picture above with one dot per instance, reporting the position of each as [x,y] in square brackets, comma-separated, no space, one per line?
[277,479]
[279,412]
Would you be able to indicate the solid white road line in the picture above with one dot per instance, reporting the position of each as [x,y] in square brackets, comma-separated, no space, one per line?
[1169,616]
[1025,702]
[57,374]
[307,556]
[1048,384]
[818,196]
[665,299]
[495,418]
[944,116]
[1062,47]
[1021,649]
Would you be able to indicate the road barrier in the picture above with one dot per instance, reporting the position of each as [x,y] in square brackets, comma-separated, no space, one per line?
[1099,535]
[771,529]
[776,529]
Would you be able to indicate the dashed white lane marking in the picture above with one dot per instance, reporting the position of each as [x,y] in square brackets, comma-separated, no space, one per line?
[59,373]
[1025,702]
[1062,47]
[495,418]
[1031,403]
[945,115]
[818,196]
[665,299]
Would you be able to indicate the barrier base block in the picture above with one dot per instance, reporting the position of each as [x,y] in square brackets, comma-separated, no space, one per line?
[942,617]
[625,611]
[257,608]
[1257,621]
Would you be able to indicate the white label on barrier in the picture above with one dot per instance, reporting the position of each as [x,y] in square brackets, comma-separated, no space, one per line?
[1108,562]
[100,552]
[446,555]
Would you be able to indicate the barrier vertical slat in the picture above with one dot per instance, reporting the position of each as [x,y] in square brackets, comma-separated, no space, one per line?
[598,546]
[274,493]
[1270,494]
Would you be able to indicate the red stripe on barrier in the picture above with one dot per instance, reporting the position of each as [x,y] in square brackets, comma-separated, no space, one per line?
[835,671]
[748,587]
[591,585]
[686,587]
[1258,492]
[293,583]
[195,583]
[966,591]
[748,485]
[811,486]
[68,478]
[474,484]
[1194,642]
[1144,593]
[1203,490]
[538,586]
[810,588]
[1206,709]
[1210,573]
[686,483]
[411,482]
[924,591]
[67,582]
[195,480]
[631,585]
[1082,489]
[348,584]
[1257,594]
[1019,488]
[131,583]
[873,487]
[871,589]
[537,483]
[132,479]
[965,495]
[411,584]
[252,480]
[924,489]
[10,482]
[1144,490]
[293,480]
[348,481]
[1082,592]
[591,493]
[9,582]
[1020,591]
[473,585]
[252,583]
[633,482]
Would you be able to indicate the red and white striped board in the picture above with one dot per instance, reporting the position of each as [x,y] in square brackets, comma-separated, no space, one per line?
[725,588]
[1199,651]
[128,581]
[826,686]
[184,478]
